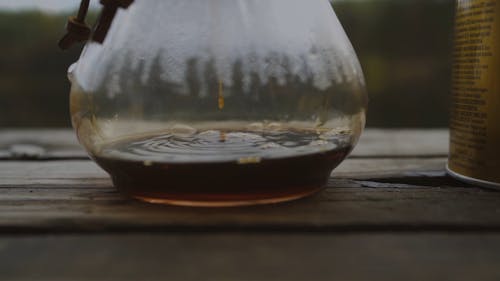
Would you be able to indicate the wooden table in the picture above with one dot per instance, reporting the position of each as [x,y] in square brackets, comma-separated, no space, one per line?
[389,213]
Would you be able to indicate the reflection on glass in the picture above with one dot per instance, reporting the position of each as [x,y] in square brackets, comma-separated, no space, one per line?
[220,102]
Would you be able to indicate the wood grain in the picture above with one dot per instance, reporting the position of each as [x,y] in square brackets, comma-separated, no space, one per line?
[75,173]
[40,144]
[62,144]
[252,257]
[388,213]
[365,194]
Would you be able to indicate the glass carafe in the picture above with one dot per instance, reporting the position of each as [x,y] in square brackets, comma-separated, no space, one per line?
[219,102]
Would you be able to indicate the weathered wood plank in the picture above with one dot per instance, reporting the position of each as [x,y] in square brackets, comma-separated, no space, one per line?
[252,257]
[62,144]
[78,173]
[411,194]
[403,143]
[71,174]
[334,210]
[40,144]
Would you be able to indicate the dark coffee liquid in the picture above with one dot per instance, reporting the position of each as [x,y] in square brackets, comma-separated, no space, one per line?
[217,168]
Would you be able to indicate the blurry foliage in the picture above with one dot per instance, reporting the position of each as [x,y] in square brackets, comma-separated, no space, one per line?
[33,85]
[405,51]
[404,48]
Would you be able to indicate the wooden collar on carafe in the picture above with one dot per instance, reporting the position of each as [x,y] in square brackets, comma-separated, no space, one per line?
[77,29]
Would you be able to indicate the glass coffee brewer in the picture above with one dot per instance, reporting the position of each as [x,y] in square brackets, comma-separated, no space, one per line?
[216,102]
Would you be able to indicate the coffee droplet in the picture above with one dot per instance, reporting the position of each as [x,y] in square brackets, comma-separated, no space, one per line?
[275,126]
[249,160]
[183,130]
[257,126]
[221,95]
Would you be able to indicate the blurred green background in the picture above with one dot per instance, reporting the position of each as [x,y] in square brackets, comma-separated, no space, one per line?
[404,48]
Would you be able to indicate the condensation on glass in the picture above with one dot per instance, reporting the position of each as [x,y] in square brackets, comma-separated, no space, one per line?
[219,102]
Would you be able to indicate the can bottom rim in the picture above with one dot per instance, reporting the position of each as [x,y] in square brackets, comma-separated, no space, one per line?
[482,183]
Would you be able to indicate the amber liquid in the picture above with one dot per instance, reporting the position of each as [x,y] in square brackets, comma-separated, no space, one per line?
[223,168]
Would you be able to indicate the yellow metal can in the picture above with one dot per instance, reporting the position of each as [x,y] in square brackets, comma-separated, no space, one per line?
[475,113]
